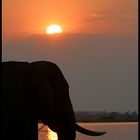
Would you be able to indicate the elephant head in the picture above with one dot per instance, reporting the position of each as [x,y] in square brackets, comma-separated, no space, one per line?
[61,118]
[41,92]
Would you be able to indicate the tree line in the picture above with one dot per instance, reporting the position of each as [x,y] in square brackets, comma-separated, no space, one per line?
[104,116]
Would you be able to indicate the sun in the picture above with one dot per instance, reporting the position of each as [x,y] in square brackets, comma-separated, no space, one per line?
[54,29]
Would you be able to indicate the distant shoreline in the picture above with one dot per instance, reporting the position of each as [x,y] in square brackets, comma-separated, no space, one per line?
[103,116]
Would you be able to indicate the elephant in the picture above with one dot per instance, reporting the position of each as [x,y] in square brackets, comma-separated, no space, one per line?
[33,92]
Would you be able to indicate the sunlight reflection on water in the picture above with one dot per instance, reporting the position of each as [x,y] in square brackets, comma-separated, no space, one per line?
[51,135]
[46,134]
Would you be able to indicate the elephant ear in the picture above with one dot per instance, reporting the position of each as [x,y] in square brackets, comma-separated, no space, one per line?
[44,94]
[62,107]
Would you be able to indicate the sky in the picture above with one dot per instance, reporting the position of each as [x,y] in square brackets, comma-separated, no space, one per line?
[93,16]
[97,51]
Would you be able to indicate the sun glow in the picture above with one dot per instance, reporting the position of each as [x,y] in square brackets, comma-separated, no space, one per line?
[54,29]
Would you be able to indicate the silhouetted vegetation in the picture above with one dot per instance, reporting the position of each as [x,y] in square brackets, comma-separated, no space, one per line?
[104,116]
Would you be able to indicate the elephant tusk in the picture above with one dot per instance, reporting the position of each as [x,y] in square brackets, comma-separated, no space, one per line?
[88,132]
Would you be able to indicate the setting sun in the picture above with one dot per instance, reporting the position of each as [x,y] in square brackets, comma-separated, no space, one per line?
[54,29]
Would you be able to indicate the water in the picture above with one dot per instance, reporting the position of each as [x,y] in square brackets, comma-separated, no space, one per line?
[115,131]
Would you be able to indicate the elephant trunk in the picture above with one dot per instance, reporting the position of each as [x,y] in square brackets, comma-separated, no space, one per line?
[88,132]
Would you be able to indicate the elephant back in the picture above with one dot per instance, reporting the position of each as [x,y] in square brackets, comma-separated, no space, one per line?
[18,119]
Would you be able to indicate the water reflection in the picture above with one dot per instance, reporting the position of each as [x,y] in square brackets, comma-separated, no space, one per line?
[45,133]
[125,131]
[51,135]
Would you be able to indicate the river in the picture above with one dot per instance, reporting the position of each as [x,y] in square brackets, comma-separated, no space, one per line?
[115,131]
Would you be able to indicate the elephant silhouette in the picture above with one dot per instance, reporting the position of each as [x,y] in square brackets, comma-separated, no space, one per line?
[37,91]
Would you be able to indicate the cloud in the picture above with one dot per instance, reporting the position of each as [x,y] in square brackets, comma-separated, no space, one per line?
[94,17]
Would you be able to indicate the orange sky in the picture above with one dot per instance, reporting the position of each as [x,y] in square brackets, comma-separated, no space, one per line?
[101,69]
[25,17]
